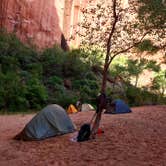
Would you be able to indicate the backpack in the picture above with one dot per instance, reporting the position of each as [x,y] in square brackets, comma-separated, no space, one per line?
[84,133]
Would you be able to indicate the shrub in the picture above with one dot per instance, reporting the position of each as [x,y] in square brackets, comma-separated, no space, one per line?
[73,66]
[36,93]
[159,83]
[88,89]
[52,60]
[66,98]
[12,92]
[20,72]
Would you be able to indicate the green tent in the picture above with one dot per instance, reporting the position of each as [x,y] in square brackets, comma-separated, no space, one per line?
[50,121]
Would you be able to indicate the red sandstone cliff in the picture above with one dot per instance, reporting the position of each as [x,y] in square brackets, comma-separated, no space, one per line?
[41,22]
[32,20]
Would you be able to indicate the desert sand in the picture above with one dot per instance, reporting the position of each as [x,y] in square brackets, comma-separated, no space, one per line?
[133,139]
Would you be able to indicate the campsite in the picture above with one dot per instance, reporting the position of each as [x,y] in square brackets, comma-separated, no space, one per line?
[82,83]
[136,138]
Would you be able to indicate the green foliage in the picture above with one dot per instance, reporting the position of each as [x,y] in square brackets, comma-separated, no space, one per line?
[13,54]
[147,45]
[133,95]
[36,93]
[65,98]
[74,66]
[87,88]
[140,96]
[65,64]
[29,80]
[59,66]
[152,65]
[55,80]
[136,67]
[129,69]
[12,92]
[52,60]
[159,83]
[92,55]
[118,66]
[20,74]
[152,13]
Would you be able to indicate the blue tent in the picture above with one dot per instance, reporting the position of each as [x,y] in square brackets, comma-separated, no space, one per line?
[117,107]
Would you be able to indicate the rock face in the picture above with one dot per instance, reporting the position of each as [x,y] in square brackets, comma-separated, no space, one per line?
[34,21]
[41,22]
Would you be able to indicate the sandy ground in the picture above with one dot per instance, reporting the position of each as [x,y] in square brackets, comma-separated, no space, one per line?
[134,139]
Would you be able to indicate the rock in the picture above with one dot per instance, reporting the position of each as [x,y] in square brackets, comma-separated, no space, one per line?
[40,22]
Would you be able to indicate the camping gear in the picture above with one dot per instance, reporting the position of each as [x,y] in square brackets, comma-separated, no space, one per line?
[50,121]
[84,133]
[71,109]
[117,107]
[85,130]
[100,131]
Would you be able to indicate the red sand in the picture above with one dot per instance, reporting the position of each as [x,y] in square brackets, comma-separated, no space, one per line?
[135,139]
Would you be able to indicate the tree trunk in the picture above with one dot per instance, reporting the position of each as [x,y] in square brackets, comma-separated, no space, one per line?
[101,103]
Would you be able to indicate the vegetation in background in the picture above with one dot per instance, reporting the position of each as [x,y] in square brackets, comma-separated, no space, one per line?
[132,91]
[21,84]
[159,83]
[31,80]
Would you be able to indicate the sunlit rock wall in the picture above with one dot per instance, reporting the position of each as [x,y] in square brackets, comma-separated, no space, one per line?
[43,22]
[36,21]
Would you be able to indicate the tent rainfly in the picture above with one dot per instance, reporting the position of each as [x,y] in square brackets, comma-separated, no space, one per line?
[50,121]
[118,107]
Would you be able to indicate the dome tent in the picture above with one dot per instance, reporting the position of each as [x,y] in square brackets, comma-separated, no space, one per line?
[50,121]
[87,107]
[71,109]
[117,107]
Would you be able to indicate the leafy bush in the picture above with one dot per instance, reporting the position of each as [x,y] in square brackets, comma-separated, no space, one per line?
[52,60]
[36,93]
[20,72]
[88,89]
[92,55]
[73,65]
[12,92]
[55,80]
[159,83]
[65,99]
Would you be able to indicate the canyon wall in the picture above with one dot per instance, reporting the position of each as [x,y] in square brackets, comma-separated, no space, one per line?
[42,22]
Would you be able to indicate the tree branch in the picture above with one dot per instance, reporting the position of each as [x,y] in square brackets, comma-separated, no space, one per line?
[107,59]
[127,49]
[115,16]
